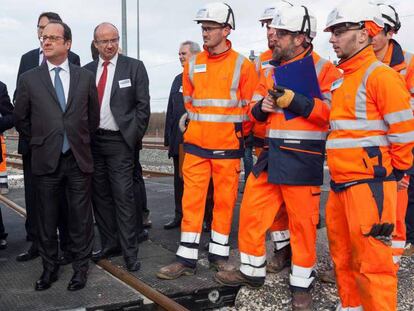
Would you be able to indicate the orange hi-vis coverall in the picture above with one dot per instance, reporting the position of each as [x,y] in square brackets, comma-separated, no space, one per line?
[403,63]
[289,172]
[216,90]
[370,144]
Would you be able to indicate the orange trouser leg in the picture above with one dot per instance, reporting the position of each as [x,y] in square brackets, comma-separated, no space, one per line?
[398,241]
[196,173]
[261,201]
[302,205]
[3,166]
[226,182]
[279,231]
[364,267]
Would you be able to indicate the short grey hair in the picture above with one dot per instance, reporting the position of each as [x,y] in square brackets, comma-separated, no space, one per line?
[194,47]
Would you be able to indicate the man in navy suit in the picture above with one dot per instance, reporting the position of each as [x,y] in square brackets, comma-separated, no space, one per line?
[30,60]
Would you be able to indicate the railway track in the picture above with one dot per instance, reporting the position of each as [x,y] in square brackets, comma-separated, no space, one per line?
[161,301]
[15,160]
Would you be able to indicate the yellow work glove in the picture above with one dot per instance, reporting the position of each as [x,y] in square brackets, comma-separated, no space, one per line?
[282,97]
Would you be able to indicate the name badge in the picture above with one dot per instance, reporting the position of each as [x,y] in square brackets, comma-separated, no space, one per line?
[336,84]
[200,68]
[181,89]
[124,83]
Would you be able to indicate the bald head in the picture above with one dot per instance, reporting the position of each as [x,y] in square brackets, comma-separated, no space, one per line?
[106,40]
[103,27]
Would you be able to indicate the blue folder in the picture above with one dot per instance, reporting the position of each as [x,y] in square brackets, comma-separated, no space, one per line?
[299,76]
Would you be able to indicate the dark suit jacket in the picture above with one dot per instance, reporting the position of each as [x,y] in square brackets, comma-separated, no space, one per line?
[173,135]
[40,120]
[130,106]
[29,61]
[6,111]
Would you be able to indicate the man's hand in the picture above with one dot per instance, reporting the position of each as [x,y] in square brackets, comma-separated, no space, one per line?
[403,183]
[268,104]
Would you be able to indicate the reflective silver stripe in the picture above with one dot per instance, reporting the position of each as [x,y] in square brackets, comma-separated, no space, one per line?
[257,97]
[257,64]
[280,235]
[300,282]
[399,116]
[327,96]
[187,99]
[401,137]
[291,134]
[361,95]
[191,64]
[407,59]
[268,71]
[186,252]
[397,244]
[256,261]
[340,308]
[301,271]
[3,180]
[219,238]
[412,103]
[236,77]
[363,125]
[190,237]
[217,117]
[228,103]
[396,259]
[217,249]
[319,65]
[280,245]
[343,143]
[252,271]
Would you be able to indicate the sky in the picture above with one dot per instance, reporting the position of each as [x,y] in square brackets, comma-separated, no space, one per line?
[163,25]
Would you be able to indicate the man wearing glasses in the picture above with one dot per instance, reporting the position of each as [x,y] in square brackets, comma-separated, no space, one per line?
[30,60]
[368,149]
[124,115]
[57,111]
[217,85]
[289,170]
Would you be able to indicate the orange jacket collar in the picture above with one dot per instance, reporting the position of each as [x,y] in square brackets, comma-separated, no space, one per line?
[221,55]
[366,55]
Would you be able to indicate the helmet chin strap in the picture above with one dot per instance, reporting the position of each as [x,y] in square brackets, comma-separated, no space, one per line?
[230,14]
[306,20]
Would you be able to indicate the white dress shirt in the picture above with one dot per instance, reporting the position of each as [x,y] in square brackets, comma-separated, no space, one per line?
[64,75]
[107,120]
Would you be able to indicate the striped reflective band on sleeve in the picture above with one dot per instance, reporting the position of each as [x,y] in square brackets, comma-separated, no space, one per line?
[236,77]
[221,250]
[219,238]
[361,95]
[257,97]
[291,134]
[254,266]
[343,143]
[407,59]
[363,125]
[187,252]
[319,65]
[398,116]
[327,98]
[190,237]
[191,64]
[301,277]
[217,117]
[228,103]
[340,308]
[187,99]
[401,138]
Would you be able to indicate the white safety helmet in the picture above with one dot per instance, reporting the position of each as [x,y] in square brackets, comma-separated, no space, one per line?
[296,19]
[390,16]
[355,12]
[270,11]
[218,12]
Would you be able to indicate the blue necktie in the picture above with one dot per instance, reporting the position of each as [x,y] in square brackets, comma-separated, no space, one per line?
[61,97]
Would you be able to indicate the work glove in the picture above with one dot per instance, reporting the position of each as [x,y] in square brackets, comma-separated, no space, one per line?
[282,97]
[183,122]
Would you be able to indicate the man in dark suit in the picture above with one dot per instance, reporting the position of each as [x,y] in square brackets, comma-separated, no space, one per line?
[6,122]
[124,100]
[30,60]
[57,111]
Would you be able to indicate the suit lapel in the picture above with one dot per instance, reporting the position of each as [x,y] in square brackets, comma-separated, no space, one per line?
[120,67]
[45,77]
[73,83]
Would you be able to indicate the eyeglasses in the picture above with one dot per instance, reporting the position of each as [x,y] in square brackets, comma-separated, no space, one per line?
[50,38]
[337,32]
[280,33]
[106,42]
[210,29]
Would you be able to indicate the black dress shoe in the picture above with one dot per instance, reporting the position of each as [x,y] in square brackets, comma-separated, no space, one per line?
[142,236]
[175,223]
[106,253]
[26,256]
[132,264]
[3,244]
[46,279]
[78,280]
